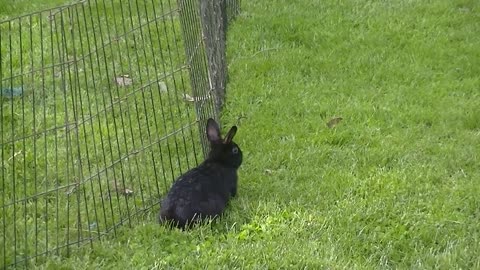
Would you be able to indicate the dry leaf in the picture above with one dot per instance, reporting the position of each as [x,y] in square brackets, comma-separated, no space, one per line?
[121,190]
[124,80]
[189,98]
[334,121]
[163,87]
[126,192]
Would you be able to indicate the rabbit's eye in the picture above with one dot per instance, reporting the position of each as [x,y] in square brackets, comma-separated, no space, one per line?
[235,150]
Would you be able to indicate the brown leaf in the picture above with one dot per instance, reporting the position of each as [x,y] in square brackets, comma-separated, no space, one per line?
[126,192]
[334,121]
[123,80]
[120,189]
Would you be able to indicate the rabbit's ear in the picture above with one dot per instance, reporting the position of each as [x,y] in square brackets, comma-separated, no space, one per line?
[213,131]
[230,134]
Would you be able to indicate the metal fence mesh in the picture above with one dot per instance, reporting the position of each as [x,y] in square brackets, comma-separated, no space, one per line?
[103,104]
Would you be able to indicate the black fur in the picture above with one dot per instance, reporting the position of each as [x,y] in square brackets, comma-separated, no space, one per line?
[204,191]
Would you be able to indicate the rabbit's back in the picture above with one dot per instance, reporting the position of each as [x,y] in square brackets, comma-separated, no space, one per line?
[201,192]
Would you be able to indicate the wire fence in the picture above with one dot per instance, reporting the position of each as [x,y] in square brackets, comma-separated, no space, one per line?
[103,104]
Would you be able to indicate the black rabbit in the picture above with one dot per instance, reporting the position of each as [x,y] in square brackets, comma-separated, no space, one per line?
[203,192]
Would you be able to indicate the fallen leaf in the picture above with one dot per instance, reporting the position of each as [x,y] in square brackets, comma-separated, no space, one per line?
[163,87]
[121,190]
[334,121]
[189,98]
[124,80]
[126,192]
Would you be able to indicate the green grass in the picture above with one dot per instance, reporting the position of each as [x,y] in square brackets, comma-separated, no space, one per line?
[9,8]
[394,185]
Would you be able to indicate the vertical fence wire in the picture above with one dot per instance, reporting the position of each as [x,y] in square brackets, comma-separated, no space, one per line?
[103,105]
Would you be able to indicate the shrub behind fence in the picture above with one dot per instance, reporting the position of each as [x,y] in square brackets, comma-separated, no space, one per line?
[103,104]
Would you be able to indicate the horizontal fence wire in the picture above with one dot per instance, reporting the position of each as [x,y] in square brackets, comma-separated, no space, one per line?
[103,105]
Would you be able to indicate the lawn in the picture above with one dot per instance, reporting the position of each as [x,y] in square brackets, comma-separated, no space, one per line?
[395,184]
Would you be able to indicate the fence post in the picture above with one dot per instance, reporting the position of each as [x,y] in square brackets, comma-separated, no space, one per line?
[189,15]
[204,26]
[213,14]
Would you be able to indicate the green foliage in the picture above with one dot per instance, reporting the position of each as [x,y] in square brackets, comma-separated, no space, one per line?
[393,185]
[12,8]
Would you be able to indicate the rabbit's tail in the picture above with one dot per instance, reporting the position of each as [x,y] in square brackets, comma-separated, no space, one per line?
[166,214]
[170,215]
